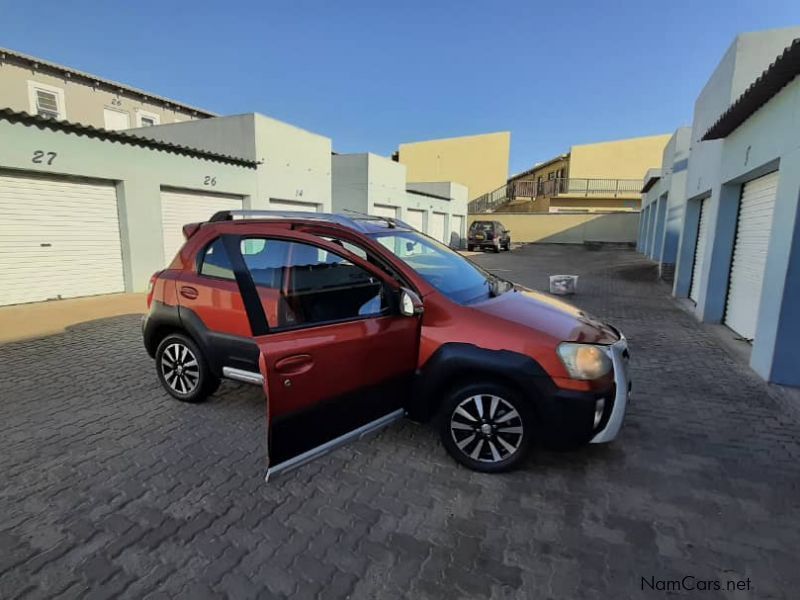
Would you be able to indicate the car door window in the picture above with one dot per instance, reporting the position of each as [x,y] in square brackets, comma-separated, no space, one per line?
[302,285]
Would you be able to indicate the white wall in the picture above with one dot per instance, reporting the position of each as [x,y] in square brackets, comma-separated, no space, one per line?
[295,163]
[360,181]
[386,181]
[231,136]
[349,183]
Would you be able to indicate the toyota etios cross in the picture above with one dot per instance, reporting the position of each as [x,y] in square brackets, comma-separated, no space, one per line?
[349,323]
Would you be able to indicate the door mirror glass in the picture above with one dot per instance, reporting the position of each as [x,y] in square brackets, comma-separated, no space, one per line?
[410,303]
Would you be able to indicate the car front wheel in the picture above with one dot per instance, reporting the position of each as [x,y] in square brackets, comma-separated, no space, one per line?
[183,370]
[486,427]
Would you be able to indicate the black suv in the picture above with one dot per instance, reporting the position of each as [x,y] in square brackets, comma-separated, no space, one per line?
[488,234]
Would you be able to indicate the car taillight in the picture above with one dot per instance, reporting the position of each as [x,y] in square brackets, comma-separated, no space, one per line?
[151,286]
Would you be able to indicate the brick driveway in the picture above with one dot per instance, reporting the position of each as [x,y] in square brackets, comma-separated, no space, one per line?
[110,488]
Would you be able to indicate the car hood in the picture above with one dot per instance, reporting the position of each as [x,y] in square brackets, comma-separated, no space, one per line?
[548,315]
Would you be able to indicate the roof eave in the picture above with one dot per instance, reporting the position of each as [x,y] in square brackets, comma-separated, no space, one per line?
[88,77]
[777,76]
[6,114]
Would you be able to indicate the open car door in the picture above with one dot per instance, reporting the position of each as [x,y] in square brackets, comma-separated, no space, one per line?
[336,355]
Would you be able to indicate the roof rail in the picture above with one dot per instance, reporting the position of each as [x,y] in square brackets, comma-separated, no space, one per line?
[339,219]
[365,217]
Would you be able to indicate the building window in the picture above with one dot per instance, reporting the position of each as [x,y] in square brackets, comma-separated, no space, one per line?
[46,100]
[115,120]
[147,119]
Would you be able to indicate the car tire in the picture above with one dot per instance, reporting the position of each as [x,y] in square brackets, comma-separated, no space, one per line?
[470,247]
[496,248]
[487,427]
[183,370]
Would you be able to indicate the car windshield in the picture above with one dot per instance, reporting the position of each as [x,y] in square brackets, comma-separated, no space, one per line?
[453,275]
[486,226]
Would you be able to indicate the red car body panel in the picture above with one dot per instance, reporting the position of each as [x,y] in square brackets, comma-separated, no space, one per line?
[305,366]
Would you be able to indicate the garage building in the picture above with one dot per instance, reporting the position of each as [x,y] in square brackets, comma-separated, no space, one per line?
[375,185]
[85,211]
[738,257]
[293,166]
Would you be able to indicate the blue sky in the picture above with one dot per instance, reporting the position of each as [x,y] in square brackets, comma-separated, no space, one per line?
[373,74]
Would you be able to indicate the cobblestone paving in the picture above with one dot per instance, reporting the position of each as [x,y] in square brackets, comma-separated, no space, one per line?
[111,490]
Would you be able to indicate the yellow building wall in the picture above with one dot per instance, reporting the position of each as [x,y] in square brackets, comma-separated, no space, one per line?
[555,228]
[479,162]
[621,159]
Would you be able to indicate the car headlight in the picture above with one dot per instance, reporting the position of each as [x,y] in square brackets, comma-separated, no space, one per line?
[584,361]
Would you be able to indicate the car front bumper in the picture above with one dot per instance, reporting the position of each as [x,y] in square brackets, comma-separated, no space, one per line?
[620,357]
[568,418]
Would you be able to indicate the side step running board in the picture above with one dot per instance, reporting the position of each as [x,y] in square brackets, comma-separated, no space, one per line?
[242,375]
[351,436]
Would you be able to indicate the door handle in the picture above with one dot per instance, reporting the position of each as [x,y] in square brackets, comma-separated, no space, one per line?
[189,292]
[295,364]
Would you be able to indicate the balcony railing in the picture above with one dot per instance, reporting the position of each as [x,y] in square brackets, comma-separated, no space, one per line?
[576,187]
[551,188]
[491,201]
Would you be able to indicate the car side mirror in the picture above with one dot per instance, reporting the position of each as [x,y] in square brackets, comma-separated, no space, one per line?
[410,303]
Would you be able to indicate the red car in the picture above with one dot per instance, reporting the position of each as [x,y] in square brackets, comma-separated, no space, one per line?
[352,322]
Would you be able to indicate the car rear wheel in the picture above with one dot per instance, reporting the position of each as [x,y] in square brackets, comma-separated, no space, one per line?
[470,247]
[183,370]
[486,427]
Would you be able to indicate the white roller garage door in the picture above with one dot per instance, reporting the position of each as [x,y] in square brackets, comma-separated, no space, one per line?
[384,210]
[750,254]
[699,251]
[179,207]
[457,230]
[59,238]
[438,226]
[416,218]
[293,205]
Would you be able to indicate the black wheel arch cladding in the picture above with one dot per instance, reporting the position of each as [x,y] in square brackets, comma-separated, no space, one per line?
[219,349]
[453,362]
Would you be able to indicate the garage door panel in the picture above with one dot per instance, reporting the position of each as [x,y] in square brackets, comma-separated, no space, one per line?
[749,258]
[59,238]
[437,228]
[699,252]
[384,210]
[180,207]
[293,206]
[415,218]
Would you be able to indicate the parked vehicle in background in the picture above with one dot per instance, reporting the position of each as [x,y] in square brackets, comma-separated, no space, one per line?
[350,323]
[488,234]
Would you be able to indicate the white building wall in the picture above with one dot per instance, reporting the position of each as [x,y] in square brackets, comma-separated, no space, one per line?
[386,182]
[295,163]
[349,182]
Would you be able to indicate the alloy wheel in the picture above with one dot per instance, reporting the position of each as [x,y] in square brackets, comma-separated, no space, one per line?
[486,428]
[180,368]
